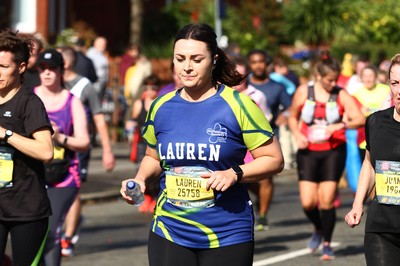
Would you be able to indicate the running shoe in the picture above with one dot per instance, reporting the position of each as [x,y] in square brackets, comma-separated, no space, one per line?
[67,248]
[327,253]
[68,244]
[262,223]
[75,238]
[314,242]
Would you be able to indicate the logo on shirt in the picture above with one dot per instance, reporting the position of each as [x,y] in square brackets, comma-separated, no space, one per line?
[7,113]
[217,133]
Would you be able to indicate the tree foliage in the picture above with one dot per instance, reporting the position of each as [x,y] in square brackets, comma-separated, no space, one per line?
[255,24]
[343,21]
[374,21]
[314,22]
[266,24]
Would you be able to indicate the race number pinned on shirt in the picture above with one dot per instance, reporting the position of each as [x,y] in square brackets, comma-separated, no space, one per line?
[317,133]
[186,187]
[58,153]
[6,166]
[387,179]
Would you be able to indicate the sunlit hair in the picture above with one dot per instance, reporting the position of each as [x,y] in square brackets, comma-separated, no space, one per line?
[19,46]
[327,65]
[224,71]
[395,61]
[240,60]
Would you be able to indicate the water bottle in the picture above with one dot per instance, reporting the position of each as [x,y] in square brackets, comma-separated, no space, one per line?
[133,191]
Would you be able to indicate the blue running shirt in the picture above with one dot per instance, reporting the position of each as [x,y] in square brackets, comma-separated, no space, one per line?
[215,134]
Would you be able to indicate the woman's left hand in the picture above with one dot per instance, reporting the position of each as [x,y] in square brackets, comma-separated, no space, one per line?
[220,180]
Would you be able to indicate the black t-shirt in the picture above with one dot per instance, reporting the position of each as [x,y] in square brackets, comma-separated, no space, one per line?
[84,66]
[277,97]
[26,199]
[383,142]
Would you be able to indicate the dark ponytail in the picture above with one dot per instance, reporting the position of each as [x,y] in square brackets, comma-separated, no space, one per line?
[225,71]
[326,64]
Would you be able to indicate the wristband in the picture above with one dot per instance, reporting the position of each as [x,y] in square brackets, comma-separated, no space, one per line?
[65,140]
[239,172]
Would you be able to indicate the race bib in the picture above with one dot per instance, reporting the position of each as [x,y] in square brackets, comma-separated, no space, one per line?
[387,180]
[58,153]
[6,167]
[186,188]
[317,133]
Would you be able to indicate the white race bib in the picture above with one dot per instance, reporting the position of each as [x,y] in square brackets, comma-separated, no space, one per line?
[317,133]
[6,167]
[186,188]
[387,182]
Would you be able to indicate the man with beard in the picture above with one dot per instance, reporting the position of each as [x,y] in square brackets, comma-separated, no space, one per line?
[278,101]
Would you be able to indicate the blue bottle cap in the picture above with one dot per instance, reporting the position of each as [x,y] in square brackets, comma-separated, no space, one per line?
[130,185]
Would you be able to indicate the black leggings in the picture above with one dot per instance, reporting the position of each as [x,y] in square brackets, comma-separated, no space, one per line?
[27,240]
[61,200]
[163,252]
[382,249]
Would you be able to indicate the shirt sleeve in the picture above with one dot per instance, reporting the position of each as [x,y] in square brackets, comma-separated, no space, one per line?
[149,131]
[255,127]
[36,116]
[91,98]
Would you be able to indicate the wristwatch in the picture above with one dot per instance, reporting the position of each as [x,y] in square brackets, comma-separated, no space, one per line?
[8,134]
[238,172]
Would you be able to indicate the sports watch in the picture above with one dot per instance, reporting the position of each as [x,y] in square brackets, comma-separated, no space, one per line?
[238,172]
[8,134]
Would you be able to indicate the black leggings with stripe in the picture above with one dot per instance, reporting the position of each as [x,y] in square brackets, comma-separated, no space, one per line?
[61,200]
[163,252]
[27,239]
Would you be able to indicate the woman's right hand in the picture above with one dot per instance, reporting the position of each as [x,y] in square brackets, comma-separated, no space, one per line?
[301,141]
[123,188]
